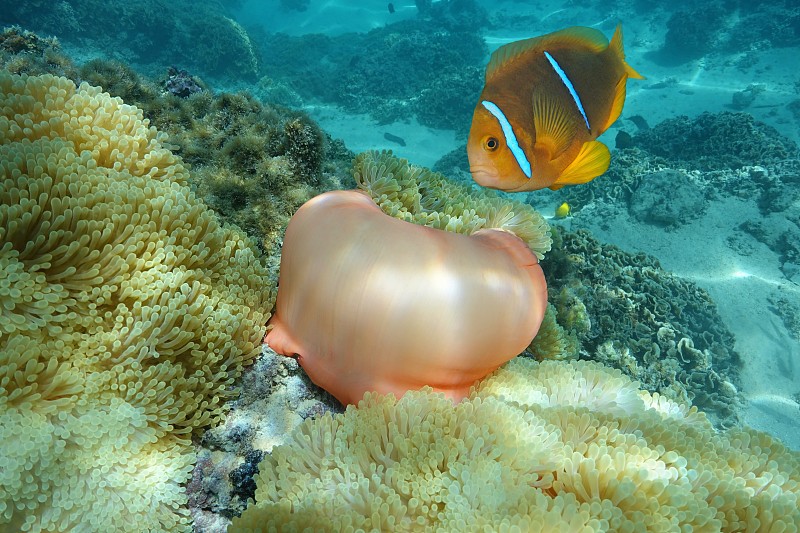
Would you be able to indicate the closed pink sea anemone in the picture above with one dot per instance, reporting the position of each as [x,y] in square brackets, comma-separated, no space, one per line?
[367,302]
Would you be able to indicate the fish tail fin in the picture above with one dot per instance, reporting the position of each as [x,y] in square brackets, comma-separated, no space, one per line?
[593,159]
[616,46]
[616,106]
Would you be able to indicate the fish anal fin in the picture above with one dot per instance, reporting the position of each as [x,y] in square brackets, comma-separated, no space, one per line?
[555,127]
[592,160]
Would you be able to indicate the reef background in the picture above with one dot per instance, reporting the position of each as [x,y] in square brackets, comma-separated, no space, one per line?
[733,222]
[713,128]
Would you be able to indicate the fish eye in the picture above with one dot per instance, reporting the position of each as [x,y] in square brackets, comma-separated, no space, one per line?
[491,144]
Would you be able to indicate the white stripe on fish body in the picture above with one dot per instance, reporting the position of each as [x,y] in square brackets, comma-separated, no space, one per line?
[570,88]
[511,139]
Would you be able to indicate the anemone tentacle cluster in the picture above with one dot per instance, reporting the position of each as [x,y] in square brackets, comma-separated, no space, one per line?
[127,312]
[551,446]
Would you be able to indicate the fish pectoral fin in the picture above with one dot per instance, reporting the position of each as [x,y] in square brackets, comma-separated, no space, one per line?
[554,126]
[592,161]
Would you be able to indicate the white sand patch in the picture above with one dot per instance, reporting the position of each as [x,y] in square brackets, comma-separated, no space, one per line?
[424,146]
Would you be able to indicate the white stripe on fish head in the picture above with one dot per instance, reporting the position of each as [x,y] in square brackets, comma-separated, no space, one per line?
[511,139]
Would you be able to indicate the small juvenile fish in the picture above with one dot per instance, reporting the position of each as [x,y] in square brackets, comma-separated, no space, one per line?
[545,101]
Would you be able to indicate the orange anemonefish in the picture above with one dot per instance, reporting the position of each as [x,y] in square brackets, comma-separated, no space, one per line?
[545,101]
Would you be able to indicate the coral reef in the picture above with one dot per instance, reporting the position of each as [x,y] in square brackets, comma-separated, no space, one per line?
[789,311]
[656,327]
[690,34]
[441,71]
[716,141]
[778,191]
[616,186]
[24,52]
[254,164]
[454,15]
[275,92]
[128,313]
[745,98]
[200,36]
[257,165]
[538,446]
[121,80]
[763,25]
[722,153]
[729,27]
[782,235]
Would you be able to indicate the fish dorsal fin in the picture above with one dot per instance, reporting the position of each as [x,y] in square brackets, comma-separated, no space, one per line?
[554,126]
[576,35]
[592,160]
[616,42]
[581,36]
[507,53]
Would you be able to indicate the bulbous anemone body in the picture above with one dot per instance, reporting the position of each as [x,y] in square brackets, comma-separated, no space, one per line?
[371,303]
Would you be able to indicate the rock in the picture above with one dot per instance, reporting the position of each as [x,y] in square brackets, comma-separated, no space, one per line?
[667,198]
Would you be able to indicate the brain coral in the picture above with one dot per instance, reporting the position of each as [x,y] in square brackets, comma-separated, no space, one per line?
[549,446]
[127,312]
